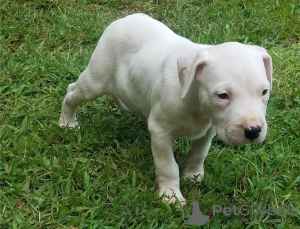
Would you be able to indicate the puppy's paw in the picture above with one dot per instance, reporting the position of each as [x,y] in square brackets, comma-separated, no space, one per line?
[174,199]
[65,122]
[194,176]
[171,196]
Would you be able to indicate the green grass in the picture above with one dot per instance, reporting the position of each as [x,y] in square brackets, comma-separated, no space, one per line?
[103,176]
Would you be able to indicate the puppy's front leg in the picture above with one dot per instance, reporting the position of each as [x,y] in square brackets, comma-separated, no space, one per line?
[195,158]
[167,170]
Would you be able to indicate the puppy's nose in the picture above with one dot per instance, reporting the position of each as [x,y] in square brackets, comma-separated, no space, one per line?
[252,132]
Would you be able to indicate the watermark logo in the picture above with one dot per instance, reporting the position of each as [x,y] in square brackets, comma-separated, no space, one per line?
[196,217]
[245,210]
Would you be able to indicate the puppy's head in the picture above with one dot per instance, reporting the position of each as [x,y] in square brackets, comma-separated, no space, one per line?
[233,83]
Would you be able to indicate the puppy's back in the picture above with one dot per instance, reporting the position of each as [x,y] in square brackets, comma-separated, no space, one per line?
[132,32]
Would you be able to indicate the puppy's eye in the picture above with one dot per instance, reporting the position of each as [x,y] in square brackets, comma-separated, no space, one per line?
[223,96]
[265,92]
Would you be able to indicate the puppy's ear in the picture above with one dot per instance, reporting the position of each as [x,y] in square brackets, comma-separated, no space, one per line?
[268,66]
[267,59]
[189,67]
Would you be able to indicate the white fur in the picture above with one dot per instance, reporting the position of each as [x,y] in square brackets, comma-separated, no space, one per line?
[174,84]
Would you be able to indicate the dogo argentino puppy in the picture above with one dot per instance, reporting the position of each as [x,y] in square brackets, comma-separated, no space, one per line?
[181,88]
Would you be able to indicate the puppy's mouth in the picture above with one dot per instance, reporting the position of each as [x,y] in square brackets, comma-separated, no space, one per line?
[237,138]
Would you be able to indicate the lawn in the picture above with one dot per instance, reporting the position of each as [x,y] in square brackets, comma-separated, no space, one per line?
[103,176]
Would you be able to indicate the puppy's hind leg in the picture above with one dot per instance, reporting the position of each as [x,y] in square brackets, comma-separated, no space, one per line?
[88,87]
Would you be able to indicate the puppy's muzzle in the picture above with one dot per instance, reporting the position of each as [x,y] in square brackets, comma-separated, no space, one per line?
[252,132]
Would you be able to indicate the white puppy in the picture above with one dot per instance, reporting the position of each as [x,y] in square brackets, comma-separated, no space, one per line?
[180,88]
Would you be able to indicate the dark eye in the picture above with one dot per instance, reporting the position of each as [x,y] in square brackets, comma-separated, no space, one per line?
[223,96]
[265,92]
